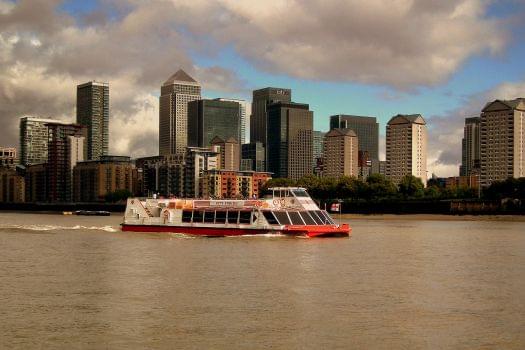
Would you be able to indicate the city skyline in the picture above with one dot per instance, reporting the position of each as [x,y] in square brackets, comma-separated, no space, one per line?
[445,80]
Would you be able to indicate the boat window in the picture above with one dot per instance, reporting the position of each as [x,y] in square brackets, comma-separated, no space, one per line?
[270,218]
[322,217]
[316,217]
[282,217]
[232,216]
[209,216]
[186,216]
[197,216]
[245,217]
[296,218]
[220,217]
[300,193]
[328,218]
[307,218]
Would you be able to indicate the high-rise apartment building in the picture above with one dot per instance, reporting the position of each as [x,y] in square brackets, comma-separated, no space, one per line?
[175,94]
[470,147]
[208,119]
[255,153]
[406,147]
[93,113]
[229,153]
[366,129]
[289,151]
[65,149]
[341,153]
[34,140]
[243,118]
[502,152]
[262,98]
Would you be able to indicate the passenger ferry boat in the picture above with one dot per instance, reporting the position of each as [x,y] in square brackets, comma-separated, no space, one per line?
[288,211]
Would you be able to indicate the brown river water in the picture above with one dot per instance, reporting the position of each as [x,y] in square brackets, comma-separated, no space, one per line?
[69,282]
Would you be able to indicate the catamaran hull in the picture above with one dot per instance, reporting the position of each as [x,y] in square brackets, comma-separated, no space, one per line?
[308,231]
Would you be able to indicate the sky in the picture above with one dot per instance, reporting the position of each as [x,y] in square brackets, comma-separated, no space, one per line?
[442,59]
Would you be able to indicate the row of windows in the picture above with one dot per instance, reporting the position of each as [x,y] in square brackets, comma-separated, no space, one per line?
[219,216]
[317,217]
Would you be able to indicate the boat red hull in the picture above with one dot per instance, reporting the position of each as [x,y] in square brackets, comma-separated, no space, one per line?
[310,231]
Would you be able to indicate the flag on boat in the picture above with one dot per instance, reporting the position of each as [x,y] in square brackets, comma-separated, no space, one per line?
[335,207]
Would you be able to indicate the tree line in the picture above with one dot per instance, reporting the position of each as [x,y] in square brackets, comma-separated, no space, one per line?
[378,187]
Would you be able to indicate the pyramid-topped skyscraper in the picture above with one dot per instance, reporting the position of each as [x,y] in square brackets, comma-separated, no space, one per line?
[175,94]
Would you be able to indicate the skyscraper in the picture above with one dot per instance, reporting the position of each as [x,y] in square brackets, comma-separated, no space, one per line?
[34,140]
[262,98]
[289,151]
[175,94]
[502,153]
[93,113]
[245,128]
[341,154]
[406,147]
[318,146]
[210,118]
[470,147]
[366,128]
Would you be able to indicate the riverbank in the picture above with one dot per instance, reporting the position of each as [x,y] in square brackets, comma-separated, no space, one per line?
[61,207]
[430,217]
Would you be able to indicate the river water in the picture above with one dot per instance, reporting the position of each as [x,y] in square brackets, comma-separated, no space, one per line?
[70,282]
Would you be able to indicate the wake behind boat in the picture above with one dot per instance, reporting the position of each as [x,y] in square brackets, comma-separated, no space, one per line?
[289,211]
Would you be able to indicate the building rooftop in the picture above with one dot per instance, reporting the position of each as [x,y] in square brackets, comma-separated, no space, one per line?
[517,103]
[180,76]
[43,120]
[341,132]
[407,119]
[93,83]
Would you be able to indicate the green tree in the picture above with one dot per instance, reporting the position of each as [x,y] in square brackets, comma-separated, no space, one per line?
[379,187]
[433,192]
[411,187]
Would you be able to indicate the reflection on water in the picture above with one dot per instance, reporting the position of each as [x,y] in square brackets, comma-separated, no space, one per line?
[394,284]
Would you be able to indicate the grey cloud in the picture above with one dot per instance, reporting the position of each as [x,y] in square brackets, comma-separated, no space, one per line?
[397,43]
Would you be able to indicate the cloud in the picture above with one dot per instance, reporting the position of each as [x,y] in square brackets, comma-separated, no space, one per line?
[400,43]
[45,53]
[446,131]
[136,45]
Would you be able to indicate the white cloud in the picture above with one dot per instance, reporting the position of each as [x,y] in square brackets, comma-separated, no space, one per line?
[401,43]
